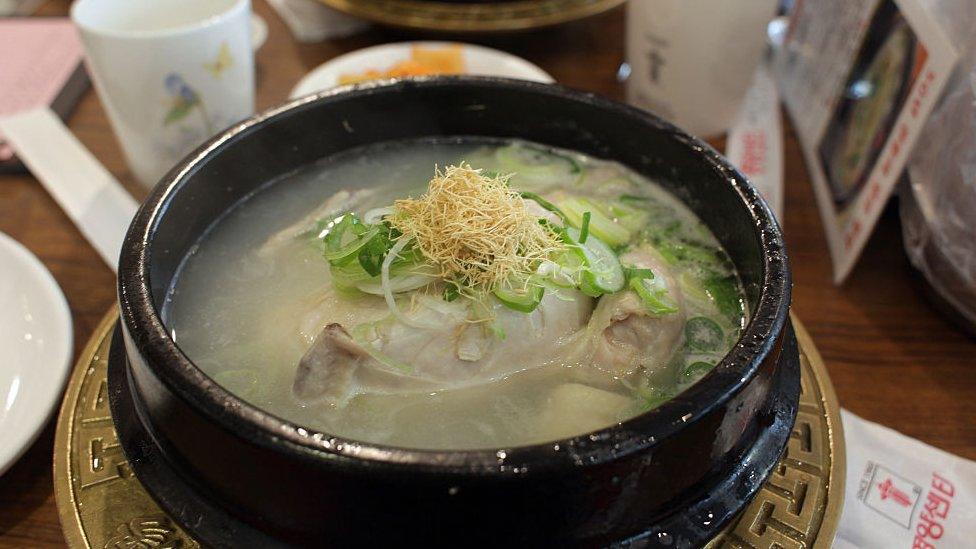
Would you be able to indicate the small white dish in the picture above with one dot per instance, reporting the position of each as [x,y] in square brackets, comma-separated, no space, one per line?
[478,60]
[36,339]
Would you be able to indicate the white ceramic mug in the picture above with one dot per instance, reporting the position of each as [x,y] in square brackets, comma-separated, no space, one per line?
[691,61]
[170,73]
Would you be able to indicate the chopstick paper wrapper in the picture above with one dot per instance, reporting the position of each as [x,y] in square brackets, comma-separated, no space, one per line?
[903,493]
[85,190]
[755,141]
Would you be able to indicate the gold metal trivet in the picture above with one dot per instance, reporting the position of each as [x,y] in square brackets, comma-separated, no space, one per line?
[800,504]
[484,16]
[102,505]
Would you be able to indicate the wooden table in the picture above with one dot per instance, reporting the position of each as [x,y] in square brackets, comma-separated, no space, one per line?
[892,358]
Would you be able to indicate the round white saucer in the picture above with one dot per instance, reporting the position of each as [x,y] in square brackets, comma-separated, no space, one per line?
[36,340]
[478,60]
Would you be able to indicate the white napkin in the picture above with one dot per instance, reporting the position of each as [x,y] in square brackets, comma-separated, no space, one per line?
[903,493]
[311,21]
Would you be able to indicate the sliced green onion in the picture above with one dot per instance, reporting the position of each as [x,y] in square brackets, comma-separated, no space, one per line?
[523,298]
[601,226]
[655,295]
[346,238]
[602,272]
[703,334]
[634,219]
[696,370]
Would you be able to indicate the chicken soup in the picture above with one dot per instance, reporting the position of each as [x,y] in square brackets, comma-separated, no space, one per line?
[457,294]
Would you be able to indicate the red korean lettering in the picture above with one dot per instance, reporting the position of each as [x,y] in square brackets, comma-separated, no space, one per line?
[923,90]
[874,192]
[928,527]
[937,505]
[941,484]
[754,153]
[886,167]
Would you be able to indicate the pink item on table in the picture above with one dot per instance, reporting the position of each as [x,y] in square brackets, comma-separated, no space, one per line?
[40,64]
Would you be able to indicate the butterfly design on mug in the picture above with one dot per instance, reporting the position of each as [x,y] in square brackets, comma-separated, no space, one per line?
[223,61]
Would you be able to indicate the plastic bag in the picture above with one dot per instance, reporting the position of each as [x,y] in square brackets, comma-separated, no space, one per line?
[938,208]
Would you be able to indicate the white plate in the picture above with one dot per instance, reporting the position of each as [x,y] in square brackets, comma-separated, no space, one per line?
[36,342]
[478,60]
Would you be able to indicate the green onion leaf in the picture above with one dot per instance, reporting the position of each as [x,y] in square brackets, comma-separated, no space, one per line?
[585,227]
[639,273]
[655,295]
[372,254]
[346,238]
[725,293]
[546,205]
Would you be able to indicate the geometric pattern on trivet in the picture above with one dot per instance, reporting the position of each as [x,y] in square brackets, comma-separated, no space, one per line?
[103,505]
[799,506]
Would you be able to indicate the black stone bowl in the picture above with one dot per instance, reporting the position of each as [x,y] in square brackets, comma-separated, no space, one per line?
[234,475]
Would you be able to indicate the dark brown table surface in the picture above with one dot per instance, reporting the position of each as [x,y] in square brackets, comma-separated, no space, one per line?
[892,357]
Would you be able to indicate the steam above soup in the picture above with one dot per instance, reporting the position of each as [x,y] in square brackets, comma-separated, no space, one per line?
[515,294]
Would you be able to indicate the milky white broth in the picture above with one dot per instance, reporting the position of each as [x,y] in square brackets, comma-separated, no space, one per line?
[246,315]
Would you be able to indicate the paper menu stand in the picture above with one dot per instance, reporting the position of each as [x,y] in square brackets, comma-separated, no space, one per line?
[859,78]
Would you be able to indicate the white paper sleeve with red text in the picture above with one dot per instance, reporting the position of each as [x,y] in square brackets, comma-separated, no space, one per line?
[902,493]
[755,142]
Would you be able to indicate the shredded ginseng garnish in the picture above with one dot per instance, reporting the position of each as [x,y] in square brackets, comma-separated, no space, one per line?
[475,229]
